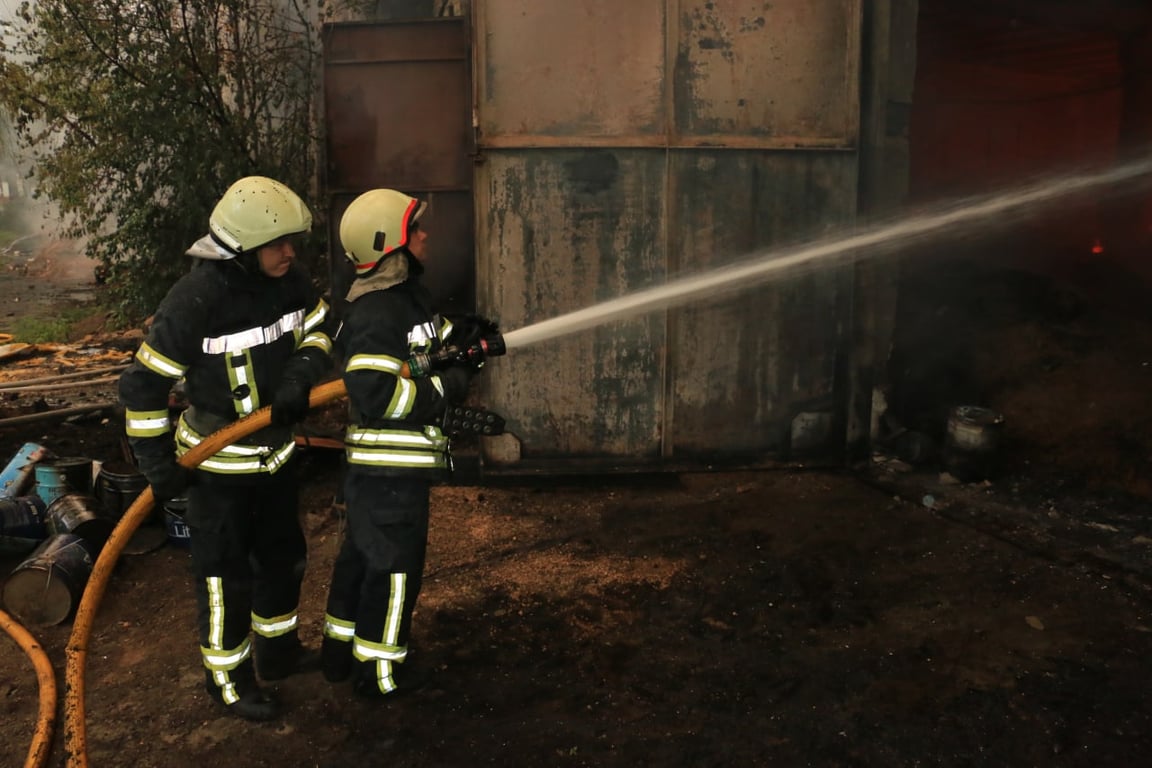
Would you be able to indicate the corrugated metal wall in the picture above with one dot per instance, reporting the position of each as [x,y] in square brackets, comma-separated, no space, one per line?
[624,143]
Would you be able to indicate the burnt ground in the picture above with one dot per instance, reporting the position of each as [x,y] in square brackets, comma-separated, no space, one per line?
[875,615]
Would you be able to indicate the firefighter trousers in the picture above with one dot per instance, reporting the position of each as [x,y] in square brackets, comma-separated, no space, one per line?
[248,559]
[378,573]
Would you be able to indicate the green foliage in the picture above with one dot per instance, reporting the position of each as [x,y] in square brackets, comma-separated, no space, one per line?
[140,113]
[45,330]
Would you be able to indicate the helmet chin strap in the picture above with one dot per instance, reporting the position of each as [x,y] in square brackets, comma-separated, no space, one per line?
[248,262]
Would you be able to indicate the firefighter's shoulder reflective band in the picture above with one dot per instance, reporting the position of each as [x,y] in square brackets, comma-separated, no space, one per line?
[158,363]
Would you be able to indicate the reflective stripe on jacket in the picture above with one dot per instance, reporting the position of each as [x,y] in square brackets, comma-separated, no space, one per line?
[394,423]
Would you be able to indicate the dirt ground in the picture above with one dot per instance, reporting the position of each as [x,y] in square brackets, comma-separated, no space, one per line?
[875,615]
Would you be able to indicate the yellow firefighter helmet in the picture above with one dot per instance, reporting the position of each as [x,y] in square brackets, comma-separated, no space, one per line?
[255,211]
[376,224]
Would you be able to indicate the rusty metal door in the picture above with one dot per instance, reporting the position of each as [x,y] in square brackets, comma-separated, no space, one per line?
[397,111]
[626,143]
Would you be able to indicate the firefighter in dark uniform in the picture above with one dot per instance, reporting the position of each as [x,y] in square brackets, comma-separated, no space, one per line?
[245,328]
[395,447]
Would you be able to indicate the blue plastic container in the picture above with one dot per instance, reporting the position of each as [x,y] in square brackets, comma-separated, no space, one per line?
[17,477]
[179,535]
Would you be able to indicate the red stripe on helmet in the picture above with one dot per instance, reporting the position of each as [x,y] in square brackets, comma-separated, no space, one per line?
[406,223]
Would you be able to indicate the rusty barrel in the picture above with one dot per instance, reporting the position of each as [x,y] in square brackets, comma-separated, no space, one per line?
[46,588]
[82,515]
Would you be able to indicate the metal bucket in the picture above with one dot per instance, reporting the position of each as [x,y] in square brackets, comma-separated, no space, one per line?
[179,535]
[118,484]
[22,524]
[46,588]
[56,477]
[972,443]
[80,514]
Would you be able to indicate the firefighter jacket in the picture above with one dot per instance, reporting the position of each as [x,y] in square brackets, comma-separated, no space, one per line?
[394,422]
[233,335]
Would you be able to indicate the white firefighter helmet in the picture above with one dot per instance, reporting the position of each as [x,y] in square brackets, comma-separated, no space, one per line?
[253,212]
[376,224]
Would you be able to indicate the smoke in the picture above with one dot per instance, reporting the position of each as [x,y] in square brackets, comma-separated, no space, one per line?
[31,230]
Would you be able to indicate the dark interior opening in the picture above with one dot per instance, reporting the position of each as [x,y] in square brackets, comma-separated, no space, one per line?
[1008,93]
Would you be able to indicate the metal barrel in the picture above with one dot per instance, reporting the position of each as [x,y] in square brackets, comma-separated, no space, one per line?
[117,485]
[82,515]
[46,587]
[58,476]
[22,524]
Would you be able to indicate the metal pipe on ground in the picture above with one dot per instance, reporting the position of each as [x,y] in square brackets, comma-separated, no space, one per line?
[64,376]
[59,413]
[5,389]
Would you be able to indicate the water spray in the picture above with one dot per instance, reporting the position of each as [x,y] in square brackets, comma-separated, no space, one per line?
[767,264]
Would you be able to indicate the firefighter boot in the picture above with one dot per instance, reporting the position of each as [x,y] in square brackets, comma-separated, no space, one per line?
[388,679]
[336,659]
[251,702]
[280,657]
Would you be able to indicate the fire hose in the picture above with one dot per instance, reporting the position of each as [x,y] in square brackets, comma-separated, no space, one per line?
[46,722]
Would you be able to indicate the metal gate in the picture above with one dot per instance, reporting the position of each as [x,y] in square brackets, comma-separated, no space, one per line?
[397,112]
[627,143]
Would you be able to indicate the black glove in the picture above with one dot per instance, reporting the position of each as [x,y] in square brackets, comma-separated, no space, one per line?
[169,480]
[290,402]
[469,329]
[455,380]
